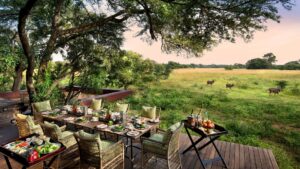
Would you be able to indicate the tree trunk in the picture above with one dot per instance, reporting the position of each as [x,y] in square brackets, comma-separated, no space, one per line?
[23,15]
[18,77]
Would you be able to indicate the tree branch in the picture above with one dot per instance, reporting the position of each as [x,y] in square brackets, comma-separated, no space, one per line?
[148,14]
[53,37]
[8,14]
[90,26]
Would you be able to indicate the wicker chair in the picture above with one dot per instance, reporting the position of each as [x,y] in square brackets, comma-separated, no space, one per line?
[59,134]
[38,108]
[99,154]
[122,107]
[150,112]
[26,125]
[163,145]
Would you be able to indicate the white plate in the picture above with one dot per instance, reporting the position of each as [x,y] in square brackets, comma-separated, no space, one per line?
[133,133]
[69,119]
[101,126]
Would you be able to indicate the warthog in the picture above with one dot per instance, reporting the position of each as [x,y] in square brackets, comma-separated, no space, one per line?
[229,85]
[210,82]
[274,90]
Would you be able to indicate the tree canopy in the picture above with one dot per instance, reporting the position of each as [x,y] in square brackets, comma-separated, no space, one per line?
[188,26]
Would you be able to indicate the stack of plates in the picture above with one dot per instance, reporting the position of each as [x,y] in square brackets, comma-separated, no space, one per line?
[101,126]
[133,133]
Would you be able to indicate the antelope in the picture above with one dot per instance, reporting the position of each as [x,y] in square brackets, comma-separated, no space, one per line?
[229,85]
[274,90]
[210,82]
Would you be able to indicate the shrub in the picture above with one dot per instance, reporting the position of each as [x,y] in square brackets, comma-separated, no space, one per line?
[242,85]
[295,90]
[229,67]
[282,83]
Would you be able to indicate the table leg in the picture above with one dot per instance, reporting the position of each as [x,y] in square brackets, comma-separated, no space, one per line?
[131,153]
[219,154]
[7,162]
[191,146]
[195,148]
[47,165]
[209,142]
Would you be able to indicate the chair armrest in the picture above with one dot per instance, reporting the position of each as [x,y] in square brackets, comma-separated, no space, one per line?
[114,150]
[63,128]
[147,139]
[158,130]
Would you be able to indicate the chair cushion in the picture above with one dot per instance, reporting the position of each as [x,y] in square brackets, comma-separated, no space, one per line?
[149,112]
[121,107]
[169,132]
[96,104]
[106,148]
[153,147]
[56,128]
[66,134]
[42,106]
[21,116]
[92,138]
[30,121]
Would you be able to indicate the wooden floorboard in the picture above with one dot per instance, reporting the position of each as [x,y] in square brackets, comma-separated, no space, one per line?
[235,155]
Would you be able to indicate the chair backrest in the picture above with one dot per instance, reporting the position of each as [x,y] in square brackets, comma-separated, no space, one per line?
[51,130]
[89,146]
[174,139]
[23,126]
[122,107]
[38,108]
[149,112]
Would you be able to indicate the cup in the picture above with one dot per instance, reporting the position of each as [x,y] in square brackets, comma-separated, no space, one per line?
[95,119]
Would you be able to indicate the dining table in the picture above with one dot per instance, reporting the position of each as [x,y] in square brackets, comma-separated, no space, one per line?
[93,125]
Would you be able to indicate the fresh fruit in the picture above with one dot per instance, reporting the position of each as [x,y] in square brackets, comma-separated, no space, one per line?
[208,124]
[33,156]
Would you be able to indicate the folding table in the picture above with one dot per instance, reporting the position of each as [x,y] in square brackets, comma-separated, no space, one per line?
[217,132]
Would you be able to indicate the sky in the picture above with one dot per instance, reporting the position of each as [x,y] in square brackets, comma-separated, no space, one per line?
[282,39]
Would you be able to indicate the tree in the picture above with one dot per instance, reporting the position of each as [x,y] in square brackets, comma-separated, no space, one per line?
[270,57]
[293,65]
[190,26]
[258,63]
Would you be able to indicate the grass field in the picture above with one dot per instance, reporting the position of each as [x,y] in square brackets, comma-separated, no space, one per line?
[248,111]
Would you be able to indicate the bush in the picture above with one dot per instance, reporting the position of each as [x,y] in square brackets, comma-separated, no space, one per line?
[295,90]
[242,85]
[282,83]
[229,67]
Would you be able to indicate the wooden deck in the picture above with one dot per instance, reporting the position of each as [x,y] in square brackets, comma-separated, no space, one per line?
[236,156]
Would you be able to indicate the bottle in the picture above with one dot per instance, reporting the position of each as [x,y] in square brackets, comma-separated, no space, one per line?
[206,116]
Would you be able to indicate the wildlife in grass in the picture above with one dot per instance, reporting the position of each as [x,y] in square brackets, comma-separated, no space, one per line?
[276,90]
[229,85]
[210,82]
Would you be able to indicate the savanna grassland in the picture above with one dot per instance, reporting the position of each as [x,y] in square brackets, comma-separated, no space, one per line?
[250,114]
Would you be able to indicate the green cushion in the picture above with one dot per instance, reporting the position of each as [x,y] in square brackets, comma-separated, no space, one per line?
[149,112]
[30,121]
[109,153]
[169,132]
[92,139]
[106,144]
[157,137]
[121,107]
[56,128]
[66,134]
[42,106]
[96,104]
[153,147]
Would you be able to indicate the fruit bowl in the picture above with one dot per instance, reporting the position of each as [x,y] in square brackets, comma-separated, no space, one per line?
[208,124]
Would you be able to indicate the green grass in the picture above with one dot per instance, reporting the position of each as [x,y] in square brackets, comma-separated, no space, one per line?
[250,114]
